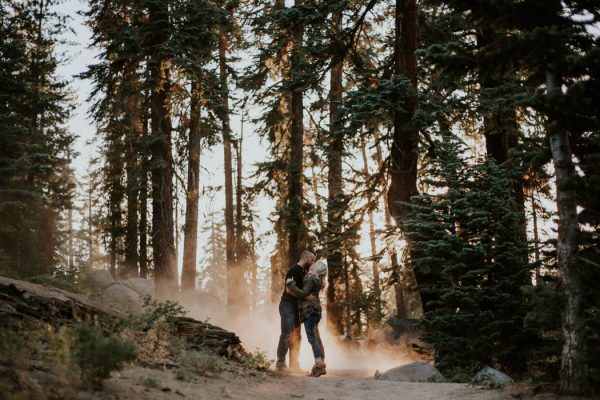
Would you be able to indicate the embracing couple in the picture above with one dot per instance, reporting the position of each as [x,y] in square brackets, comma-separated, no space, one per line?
[300,304]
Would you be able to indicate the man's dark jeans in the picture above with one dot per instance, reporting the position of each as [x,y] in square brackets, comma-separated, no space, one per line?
[290,334]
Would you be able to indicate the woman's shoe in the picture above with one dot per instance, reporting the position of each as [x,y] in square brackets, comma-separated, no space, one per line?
[318,370]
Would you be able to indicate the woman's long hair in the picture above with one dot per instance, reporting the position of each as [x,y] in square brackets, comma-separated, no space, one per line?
[320,270]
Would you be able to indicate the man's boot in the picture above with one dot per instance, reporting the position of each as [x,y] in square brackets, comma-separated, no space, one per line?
[281,367]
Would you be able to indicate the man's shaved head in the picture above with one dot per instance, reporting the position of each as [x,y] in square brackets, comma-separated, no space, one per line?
[307,253]
[307,258]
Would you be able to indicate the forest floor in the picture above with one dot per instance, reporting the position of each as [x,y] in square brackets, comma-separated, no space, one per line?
[36,364]
[237,383]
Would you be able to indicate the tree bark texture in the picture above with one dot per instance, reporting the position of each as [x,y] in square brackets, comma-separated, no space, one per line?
[133,136]
[295,220]
[372,237]
[401,309]
[574,366]
[232,275]
[143,226]
[190,240]
[163,245]
[335,206]
[404,145]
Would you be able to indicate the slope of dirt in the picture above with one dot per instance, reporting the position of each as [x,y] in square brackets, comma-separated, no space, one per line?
[236,383]
[24,376]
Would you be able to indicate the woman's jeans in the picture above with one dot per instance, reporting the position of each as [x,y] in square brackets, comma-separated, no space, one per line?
[314,338]
[290,334]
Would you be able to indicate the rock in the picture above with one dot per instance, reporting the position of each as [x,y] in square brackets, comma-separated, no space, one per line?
[143,287]
[121,297]
[414,372]
[492,377]
[101,279]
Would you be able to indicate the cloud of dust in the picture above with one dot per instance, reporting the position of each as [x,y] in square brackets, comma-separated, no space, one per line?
[260,330]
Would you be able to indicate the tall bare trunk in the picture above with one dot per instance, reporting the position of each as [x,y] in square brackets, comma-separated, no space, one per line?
[71,260]
[401,308]
[143,226]
[239,223]
[115,199]
[335,209]
[132,140]
[536,239]
[315,188]
[90,232]
[163,245]
[280,149]
[232,277]
[574,365]
[404,146]
[190,240]
[295,222]
[347,319]
[372,237]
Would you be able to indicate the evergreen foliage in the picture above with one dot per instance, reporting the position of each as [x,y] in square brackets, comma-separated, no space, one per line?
[460,237]
[35,147]
[98,355]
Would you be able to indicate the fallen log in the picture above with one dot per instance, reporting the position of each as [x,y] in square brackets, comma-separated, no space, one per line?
[21,300]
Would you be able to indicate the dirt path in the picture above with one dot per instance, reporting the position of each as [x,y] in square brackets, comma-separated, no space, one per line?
[147,384]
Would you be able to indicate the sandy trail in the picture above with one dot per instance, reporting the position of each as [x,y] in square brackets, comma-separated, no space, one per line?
[235,384]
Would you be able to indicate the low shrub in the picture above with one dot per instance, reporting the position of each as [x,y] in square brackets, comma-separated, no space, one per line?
[149,381]
[155,313]
[257,361]
[194,363]
[97,355]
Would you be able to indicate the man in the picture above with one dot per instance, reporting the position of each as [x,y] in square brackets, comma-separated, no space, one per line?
[290,318]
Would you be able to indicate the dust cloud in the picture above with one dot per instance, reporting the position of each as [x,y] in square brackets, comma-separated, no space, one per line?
[259,331]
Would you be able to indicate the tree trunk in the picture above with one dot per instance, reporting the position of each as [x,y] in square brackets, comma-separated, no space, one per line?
[315,188]
[347,320]
[404,157]
[132,139]
[536,240]
[335,208]
[115,199]
[163,246]
[295,221]
[239,223]
[373,240]
[143,226]
[574,364]
[90,233]
[401,309]
[404,146]
[190,240]
[232,278]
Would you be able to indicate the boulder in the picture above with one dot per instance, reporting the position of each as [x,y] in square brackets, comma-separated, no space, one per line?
[121,297]
[492,377]
[101,279]
[143,287]
[414,372]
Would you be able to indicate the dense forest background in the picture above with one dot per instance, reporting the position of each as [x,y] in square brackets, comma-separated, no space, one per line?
[443,156]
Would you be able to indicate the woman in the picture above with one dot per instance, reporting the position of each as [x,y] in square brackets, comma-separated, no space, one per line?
[310,311]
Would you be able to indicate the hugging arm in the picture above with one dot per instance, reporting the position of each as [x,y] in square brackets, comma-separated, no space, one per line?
[291,288]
